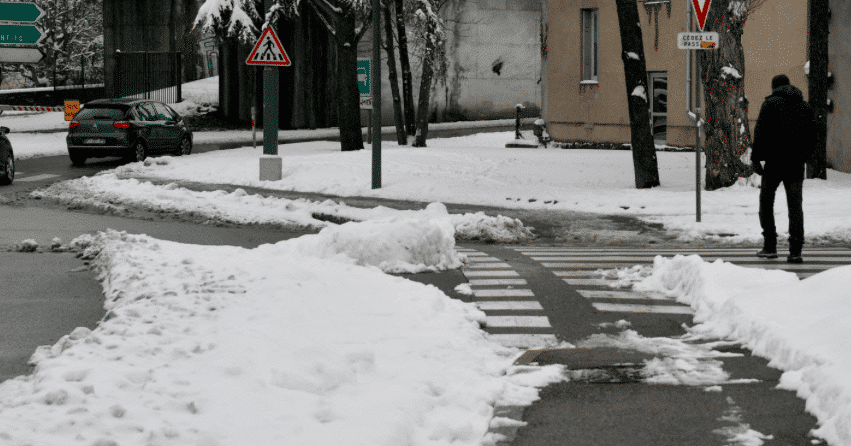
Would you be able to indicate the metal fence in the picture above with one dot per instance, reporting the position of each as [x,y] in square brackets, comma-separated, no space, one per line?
[149,75]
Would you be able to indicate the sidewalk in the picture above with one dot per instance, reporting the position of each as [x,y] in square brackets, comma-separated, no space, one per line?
[228,139]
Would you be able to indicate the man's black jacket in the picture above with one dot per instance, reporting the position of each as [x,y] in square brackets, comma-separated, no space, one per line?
[785,133]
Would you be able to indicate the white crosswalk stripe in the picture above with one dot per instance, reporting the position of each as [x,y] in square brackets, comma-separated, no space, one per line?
[491,273]
[580,267]
[513,316]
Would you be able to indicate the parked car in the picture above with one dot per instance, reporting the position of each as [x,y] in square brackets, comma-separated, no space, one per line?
[7,158]
[129,128]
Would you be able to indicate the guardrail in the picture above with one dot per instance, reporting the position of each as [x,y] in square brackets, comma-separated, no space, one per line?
[29,108]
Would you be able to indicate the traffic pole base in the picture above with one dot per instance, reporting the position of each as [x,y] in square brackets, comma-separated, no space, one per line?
[270,168]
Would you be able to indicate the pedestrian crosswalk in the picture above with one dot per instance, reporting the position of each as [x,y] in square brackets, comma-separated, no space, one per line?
[516,318]
[580,267]
[513,316]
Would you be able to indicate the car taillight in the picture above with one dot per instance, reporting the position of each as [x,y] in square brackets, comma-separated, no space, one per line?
[73,124]
[122,124]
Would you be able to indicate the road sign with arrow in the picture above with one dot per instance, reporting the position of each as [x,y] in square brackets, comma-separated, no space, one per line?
[18,33]
[15,34]
[20,12]
[20,55]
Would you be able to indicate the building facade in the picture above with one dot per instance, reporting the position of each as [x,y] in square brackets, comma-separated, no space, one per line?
[584,93]
[839,121]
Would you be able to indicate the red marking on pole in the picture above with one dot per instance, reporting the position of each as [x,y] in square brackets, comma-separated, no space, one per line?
[701,11]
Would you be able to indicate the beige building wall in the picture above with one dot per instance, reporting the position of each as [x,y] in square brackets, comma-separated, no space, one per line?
[839,122]
[774,41]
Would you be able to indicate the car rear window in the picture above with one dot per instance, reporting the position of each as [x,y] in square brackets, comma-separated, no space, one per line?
[106,113]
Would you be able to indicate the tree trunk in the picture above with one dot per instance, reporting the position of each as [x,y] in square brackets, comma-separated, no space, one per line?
[407,77]
[425,96]
[728,134]
[348,105]
[635,73]
[401,136]
[818,81]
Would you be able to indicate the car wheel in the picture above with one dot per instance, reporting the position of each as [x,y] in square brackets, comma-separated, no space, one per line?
[185,147]
[77,159]
[7,170]
[139,152]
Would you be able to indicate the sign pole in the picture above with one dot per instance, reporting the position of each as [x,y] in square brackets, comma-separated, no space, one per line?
[376,94]
[697,149]
[254,126]
[269,53]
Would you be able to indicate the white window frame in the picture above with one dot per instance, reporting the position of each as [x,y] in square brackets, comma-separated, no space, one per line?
[590,45]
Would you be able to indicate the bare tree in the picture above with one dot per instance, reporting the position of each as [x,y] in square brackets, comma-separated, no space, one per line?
[430,31]
[393,75]
[405,65]
[819,81]
[346,20]
[635,73]
[728,135]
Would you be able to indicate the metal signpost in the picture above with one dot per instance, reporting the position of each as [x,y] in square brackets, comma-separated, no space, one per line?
[365,89]
[691,41]
[269,53]
[376,88]
[18,33]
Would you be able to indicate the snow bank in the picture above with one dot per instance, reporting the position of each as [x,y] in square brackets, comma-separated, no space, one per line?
[109,193]
[222,345]
[399,244]
[800,325]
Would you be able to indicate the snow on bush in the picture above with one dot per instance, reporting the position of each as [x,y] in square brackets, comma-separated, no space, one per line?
[28,245]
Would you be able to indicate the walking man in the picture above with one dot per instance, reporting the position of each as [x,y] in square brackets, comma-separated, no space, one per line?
[784,138]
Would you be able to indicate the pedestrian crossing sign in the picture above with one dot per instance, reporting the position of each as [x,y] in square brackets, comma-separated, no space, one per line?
[269,51]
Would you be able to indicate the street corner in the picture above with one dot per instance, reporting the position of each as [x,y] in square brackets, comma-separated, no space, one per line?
[446,281]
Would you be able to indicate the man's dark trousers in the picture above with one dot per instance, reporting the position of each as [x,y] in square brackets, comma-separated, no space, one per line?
[794,198]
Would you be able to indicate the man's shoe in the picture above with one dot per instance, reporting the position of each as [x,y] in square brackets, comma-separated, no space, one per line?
[794,259]
[766,254]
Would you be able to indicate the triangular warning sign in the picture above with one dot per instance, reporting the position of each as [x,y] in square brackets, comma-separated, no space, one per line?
[268,50]
[701,9]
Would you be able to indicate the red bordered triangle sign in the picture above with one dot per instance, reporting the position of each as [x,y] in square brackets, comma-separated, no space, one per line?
[269,51]
[701,9]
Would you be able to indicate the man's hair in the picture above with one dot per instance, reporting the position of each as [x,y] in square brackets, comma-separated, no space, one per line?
[779,81]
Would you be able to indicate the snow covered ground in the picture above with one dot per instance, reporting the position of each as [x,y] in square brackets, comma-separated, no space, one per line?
[310,339]
[803,326]
[305,342]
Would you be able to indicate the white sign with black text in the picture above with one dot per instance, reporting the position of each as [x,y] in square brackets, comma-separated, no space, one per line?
[697,41]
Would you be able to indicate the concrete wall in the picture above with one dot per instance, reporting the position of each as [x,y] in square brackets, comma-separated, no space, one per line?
[774,42]
[481,34]
[839,53]
[150,25]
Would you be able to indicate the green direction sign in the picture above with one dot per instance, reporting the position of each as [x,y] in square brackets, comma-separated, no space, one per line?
[364,76]
[19,12]
[19,34]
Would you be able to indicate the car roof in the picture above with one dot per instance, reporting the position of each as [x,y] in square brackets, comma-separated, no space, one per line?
[119,101]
